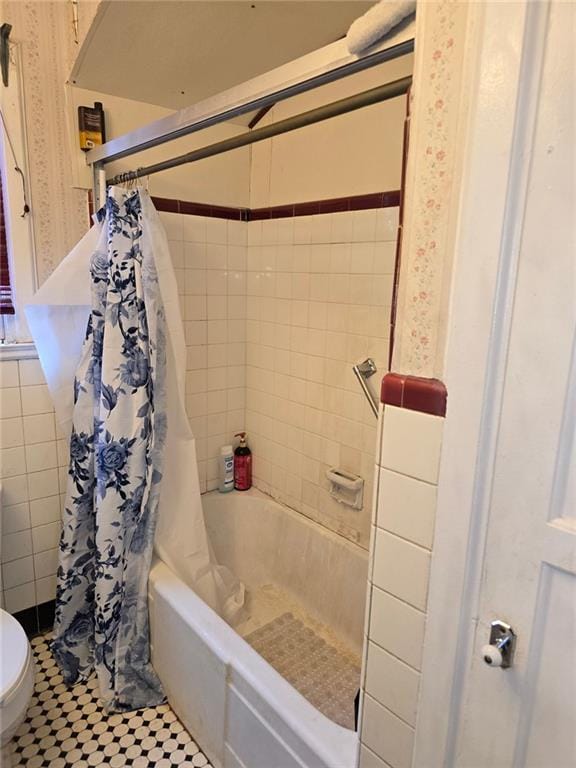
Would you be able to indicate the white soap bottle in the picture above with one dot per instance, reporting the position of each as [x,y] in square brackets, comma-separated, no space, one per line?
[226,469]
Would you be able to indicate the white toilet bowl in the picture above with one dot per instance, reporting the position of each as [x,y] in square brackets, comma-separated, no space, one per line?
[16,680]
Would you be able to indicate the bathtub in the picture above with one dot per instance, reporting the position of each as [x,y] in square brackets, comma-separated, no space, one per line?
[241,711]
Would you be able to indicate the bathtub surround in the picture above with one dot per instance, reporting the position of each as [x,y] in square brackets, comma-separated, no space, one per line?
[209,257]
[319,292]
[401,546]
[218,253]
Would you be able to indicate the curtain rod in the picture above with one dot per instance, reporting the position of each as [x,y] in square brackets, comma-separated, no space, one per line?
[325,112]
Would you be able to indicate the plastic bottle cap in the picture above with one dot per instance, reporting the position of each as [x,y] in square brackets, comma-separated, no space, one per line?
[226,449]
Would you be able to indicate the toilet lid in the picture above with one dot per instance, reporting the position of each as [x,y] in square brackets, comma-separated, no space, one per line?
[14,651]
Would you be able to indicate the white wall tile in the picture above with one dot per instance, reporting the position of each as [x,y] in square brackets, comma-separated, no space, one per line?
[42,484]
[15,490]
[39,429]
[386,735]
[36,399]
[387,221]
[397,627]
[10,403]
[216,231]
[12,462]
[46,563]
[17,572]
[30,373]
[41,456]
[392,683]
[63,450]
[45,537]
[63,477]
[15,517]
[11,433]
[364,225]
[45,510]
[45,589]
[300,348]
[369,759]
[19,598]
[407,507]
[193,228]
[16,545]
[401,568]
[411,443]
[9,374]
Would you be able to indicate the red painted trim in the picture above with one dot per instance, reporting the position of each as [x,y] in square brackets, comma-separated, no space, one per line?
[333,205]
[414,393]
[312,208]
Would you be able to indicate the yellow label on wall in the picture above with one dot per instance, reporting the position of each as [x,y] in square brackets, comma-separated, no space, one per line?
[90,139]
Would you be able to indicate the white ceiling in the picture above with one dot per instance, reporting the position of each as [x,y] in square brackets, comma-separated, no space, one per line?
[174,53]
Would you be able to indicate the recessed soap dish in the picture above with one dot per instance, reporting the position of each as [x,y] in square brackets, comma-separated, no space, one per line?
[346,488]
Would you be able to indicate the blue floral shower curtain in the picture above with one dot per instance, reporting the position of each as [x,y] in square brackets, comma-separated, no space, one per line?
[116,447]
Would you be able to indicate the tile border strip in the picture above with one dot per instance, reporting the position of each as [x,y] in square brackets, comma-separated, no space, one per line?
[37,619]
[169,205]
[312,208]
[414,393]
[333,205]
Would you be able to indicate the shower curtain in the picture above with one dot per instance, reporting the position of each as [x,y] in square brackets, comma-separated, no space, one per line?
[120,396]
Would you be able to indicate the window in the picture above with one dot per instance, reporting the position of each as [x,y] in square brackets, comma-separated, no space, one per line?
[17,264]
[6,304]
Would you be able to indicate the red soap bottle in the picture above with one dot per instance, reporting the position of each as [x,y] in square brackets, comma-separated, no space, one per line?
[242,464]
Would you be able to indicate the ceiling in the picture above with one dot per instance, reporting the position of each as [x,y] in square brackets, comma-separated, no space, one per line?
[174,53]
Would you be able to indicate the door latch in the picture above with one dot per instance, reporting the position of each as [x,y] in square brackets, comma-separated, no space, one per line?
[500,650]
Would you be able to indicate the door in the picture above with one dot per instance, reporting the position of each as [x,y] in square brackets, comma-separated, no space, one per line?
[505,538]
[526,715]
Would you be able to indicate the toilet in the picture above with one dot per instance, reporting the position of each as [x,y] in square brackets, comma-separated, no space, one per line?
[16,680]
[16,676]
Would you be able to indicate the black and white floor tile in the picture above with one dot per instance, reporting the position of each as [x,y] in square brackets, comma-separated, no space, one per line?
[67,728]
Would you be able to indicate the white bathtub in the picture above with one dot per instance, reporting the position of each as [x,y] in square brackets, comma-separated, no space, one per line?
[241,711]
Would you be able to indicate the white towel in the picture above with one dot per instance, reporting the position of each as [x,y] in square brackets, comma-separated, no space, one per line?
[377,22]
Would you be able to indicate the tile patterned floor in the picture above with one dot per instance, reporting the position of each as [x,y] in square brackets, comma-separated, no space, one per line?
[326,676]
[67,728]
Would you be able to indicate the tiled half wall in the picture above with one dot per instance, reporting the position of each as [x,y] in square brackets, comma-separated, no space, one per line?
[402,542]
[33,473]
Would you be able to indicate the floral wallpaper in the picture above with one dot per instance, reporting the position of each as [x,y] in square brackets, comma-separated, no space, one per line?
[431,193]
[45,32]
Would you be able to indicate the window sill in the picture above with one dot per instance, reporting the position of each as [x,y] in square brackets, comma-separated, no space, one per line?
[24,350]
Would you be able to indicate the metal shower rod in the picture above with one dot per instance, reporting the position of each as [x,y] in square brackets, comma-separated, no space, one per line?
[325,112]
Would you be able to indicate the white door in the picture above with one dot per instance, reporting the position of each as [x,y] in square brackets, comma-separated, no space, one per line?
[526,715]
[524,533]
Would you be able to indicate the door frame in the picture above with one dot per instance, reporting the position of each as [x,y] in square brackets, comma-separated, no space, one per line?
[510,40]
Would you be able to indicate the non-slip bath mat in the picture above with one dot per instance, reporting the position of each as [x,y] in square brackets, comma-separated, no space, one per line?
[320,672]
